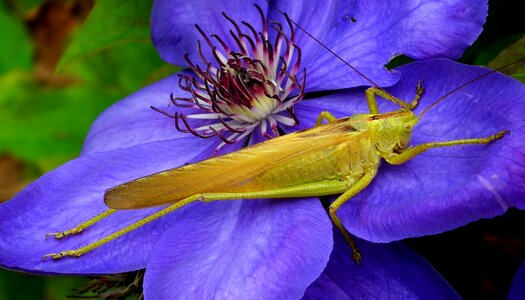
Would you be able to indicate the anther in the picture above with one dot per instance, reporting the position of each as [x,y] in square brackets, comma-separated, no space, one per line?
[244,88]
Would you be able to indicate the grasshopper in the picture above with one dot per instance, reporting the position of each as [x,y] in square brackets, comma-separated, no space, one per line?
[339,157]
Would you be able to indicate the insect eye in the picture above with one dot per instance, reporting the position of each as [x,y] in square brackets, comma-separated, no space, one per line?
[408,127]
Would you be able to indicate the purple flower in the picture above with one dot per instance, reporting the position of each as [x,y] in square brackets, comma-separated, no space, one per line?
[277,248]
[389,271]
[517,287]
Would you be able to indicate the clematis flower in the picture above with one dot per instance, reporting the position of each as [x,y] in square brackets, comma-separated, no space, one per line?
[241,89]
[517,288]
[393,271]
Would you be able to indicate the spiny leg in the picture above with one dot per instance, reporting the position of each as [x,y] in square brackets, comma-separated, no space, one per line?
[351,192]
[82,226]
[322,188]
[83,250]
[371,99]
[419,93]
[410,153]
[325,115]
[372,102]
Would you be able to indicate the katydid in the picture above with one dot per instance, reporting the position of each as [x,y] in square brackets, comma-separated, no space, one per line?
[343,157]
[339,157]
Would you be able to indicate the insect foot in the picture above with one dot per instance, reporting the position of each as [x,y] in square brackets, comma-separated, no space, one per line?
[56,256]
[356,256]
[420,90]
[81,227]
[495,137]
[63,234]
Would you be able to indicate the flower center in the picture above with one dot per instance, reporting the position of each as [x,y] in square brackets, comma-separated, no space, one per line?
[253,86]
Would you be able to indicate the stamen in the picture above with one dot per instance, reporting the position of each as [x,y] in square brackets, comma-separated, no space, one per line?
[201,55]
[223,44]
[241,45]
[219,135]
[162,112]
[244,88]
[249,39]
[231,128]
[205,36]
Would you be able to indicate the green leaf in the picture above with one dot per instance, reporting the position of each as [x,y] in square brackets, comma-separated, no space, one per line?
[509,55]
[16,50]
[14,286]
[125,67]
[110,23]
[46,125]
[26,6]
[19,286]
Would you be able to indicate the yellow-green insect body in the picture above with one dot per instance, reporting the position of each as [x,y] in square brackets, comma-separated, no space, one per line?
[340,157]
[342,150]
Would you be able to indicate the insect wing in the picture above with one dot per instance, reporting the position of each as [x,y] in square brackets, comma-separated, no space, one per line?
[233,172]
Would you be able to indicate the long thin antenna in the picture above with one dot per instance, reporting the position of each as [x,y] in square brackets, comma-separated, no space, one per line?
[375,84]
[467,83]
[324,46]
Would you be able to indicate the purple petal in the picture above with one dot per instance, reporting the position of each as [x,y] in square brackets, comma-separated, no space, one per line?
[173,24]
[340,105]
[367,35]
[252,249]
[388,271]
[73,193]
[445,188]
[517,287]
[132,122]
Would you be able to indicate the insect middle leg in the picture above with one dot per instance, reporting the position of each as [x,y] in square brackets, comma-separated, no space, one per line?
[325,115]
[342,199]
[321,188]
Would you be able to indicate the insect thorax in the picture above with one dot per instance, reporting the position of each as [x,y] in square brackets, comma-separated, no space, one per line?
[389,132]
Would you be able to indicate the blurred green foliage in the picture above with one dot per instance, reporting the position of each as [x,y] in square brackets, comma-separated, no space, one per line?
[44,117]
[512,53]
[110,23]
[16,50]
[44,124]
[25,6]
[14,286]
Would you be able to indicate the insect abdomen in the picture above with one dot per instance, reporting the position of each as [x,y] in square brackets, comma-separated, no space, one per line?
[346,162]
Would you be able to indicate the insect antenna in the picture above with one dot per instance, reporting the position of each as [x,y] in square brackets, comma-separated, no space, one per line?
[375,84]
[326,47]
[466,84]
[386,94]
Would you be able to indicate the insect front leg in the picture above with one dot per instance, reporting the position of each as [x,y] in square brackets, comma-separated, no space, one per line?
[370,94]
[352,191]
[408,154]
[372,102]
[325,115]
[419,93]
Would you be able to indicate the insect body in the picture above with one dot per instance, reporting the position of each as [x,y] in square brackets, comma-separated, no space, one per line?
[340,157]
